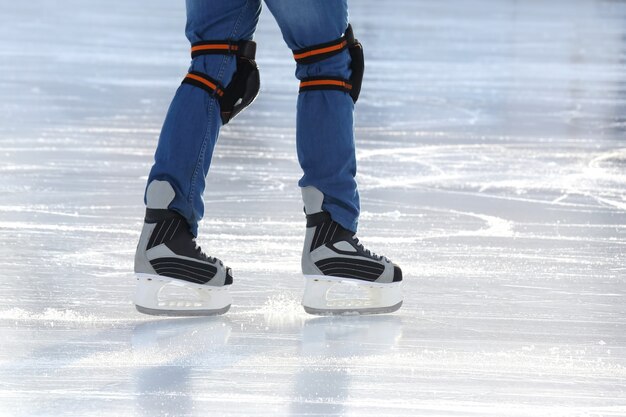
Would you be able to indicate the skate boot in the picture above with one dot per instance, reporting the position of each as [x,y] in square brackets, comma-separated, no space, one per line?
[333,259]
[174,276]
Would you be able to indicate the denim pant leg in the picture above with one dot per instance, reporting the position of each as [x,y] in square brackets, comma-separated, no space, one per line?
[325,136]
[192,124]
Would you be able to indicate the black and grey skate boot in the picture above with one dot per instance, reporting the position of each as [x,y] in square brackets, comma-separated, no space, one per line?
[332,256]
[174,276]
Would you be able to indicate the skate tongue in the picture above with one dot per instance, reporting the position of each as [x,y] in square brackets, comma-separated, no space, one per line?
[313,200]
[159,194]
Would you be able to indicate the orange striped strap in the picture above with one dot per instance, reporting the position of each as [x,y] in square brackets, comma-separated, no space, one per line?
[323,51]
[205,82]
[325,83]
[246,49]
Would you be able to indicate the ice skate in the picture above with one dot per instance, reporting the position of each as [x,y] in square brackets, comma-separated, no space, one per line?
[342,277]
[174,276]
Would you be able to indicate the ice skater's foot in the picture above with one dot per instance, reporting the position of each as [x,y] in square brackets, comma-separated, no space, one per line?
[174,276]
[333,258]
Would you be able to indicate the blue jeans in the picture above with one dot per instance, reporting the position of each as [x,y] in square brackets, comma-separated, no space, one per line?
[324,132]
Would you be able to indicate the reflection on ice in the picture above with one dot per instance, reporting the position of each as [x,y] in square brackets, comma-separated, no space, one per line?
[164,363]
[349,336]
[323,385]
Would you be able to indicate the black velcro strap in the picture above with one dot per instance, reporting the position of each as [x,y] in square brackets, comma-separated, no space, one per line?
[323,51]
[205,82]
[325,83]
[246,49]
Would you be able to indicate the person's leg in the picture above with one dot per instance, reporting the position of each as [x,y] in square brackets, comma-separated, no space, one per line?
[167,254]
[331,254]
[325,140]
[192,124]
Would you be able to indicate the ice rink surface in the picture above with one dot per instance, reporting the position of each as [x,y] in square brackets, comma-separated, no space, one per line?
[492,167]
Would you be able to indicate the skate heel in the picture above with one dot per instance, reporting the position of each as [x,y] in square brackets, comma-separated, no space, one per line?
[163,296]
[359,297]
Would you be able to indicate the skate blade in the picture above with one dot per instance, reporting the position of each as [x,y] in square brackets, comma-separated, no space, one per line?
[352,311]
[377,299]
[157,295]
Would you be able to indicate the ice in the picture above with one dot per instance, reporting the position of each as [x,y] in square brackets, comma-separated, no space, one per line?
[492,168]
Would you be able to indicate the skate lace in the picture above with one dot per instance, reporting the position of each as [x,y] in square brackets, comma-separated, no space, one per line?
[368,252]
[203,255]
